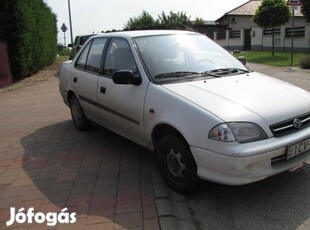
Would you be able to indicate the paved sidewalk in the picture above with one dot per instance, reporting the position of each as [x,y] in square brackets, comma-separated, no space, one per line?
[45,163]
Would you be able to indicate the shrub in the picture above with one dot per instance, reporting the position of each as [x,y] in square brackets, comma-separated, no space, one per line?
[305,62]
[29,27]
[62,50]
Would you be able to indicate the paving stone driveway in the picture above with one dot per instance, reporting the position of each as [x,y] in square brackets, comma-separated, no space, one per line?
[110,182]
[45,163]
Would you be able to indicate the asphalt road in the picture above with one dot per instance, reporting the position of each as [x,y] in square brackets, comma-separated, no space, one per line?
[280,202]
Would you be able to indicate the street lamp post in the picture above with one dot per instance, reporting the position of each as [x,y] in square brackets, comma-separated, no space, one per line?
[70,21]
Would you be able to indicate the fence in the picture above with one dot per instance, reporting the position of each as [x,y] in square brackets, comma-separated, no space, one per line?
[261,39]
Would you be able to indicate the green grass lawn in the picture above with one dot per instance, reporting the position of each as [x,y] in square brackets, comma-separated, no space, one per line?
[265,57]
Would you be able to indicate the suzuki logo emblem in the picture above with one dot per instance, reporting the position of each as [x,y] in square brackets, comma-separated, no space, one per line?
[297,123]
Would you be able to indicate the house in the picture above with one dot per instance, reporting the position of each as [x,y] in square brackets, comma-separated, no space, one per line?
[208,28]
[241,33]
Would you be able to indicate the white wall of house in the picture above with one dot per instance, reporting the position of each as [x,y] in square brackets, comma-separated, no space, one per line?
[282,43]
[231,43]
[241,22]
[259,41]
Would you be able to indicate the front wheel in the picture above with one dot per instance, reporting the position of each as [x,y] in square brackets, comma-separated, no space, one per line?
[78,116]
[177,164]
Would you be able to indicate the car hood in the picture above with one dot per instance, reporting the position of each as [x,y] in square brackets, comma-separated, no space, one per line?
[249,97]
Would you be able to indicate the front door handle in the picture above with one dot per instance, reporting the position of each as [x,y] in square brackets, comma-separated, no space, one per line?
[75,79]
[102,90]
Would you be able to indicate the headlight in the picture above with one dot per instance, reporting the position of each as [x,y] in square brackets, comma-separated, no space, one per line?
[242,132]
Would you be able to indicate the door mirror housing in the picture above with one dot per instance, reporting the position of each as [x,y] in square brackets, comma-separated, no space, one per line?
[126,77]
[242,59]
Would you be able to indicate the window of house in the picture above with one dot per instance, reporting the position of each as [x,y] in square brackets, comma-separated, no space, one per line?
[234,20]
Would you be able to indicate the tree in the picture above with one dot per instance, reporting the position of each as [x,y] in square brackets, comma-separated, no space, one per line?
[271,14]
[305,9]
[199,21]
[165,21]
[143,21]
[174,20]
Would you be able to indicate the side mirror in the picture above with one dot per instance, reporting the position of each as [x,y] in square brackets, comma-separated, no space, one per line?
[242,59]
[126,77]
[70,45]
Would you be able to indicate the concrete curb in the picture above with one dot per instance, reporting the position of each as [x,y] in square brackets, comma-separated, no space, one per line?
[172,209]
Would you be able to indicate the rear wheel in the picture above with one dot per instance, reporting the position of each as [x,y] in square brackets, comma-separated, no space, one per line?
[177,164]
[78,116]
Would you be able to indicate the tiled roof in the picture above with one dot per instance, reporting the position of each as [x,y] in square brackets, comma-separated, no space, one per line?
[249,8]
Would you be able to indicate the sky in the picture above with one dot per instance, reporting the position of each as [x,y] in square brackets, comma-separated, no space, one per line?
[94,16]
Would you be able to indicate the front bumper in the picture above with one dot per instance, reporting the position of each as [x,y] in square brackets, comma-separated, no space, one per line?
[238,169]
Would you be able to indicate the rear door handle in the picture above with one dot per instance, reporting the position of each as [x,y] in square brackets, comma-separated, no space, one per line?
[102,90]
[75,79]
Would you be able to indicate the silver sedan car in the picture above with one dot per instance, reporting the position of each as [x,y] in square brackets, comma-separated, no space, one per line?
[203,113]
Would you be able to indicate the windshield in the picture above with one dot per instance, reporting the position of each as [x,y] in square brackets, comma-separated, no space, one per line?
[175,57]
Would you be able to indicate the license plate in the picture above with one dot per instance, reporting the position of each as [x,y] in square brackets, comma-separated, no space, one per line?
[298,148]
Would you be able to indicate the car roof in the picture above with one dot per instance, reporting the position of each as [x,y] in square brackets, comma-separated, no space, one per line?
[142,33]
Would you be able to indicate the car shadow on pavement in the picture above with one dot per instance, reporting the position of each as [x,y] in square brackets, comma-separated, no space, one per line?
[279,202]
[104,178]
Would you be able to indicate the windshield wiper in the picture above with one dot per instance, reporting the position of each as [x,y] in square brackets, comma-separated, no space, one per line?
[225,71]
[176,74]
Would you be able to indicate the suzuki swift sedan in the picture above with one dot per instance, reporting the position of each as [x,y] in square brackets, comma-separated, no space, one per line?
[200,110]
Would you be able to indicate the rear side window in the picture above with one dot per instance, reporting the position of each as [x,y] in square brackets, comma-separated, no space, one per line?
[90,58]
[81,62]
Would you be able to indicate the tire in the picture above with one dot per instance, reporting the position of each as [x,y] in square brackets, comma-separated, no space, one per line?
[78,116]
[177,164]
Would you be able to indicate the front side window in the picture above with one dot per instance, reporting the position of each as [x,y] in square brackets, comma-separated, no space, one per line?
[119,57]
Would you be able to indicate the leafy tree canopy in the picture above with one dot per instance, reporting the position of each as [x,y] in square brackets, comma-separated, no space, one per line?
[272,13]
[145,20]
[174,19]
[164,21]
[305,9]
[199,21]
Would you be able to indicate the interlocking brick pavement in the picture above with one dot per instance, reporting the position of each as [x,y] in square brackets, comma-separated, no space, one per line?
[45,163]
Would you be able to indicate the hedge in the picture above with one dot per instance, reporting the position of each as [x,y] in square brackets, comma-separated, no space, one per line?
[30,30]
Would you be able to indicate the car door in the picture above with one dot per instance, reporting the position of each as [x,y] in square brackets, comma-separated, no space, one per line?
[121,106]
[86,74]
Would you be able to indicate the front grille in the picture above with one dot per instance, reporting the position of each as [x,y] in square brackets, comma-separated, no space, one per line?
[290,125]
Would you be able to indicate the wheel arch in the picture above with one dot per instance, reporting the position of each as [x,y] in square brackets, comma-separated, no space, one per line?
[166,138]
[161,130]
[69,96]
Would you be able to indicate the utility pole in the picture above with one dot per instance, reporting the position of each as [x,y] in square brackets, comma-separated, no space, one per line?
[70,22]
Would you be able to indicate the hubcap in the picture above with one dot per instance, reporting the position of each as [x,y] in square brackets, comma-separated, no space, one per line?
[176,165]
